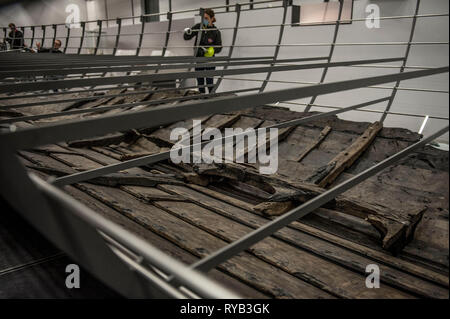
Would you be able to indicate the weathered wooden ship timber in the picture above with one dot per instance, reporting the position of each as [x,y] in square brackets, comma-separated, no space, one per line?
[397,219]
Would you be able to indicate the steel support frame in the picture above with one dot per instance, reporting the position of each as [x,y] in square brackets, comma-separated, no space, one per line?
[152,159]
[82,233]
[259,234]
[120,106]
[62,213]
[330,55]
[97,70]
[277,48]
[67,39]
[74,228]
[60,84]
[141,35]
[402,68]
[97,43]
[233,42]
[30,137]
[83,32]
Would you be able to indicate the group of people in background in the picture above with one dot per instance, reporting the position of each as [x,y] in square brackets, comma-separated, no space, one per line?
[15,39]
[209,44]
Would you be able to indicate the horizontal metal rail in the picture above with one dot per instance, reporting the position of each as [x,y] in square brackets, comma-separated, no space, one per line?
[121,106]
[141,68]
[151,159]
[95,97]
[26,138]
[430,15]
[369,111]
[61,84]
[290,45]
[192,279]
[372,86]
[271,227]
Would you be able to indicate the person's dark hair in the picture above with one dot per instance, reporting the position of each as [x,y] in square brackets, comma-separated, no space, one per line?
[210,12]
[11,25]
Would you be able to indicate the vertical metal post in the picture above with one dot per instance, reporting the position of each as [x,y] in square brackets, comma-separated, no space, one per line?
[119,29]
[23,34]
[251,5]
[33,32]
[166,42]
[67,38]
[402,68]
[141,36]
[169,29]
[227,3]
[99,24]
[83,29]
[54,27]
[233,42]
[330,55]
[277,49]
[43,35]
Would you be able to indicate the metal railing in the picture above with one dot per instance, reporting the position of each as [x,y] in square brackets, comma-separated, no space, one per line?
[108,246]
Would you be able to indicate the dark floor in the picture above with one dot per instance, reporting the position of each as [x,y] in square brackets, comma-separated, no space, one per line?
[31,267]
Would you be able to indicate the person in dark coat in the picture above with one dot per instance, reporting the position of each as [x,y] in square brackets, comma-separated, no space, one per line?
[209,45]
[55,49]
[15,37]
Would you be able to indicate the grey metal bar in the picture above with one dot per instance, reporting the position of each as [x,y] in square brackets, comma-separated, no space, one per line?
[54,26]
[330,55]
[277,48]
[372,87]
[99,24]
[119,28]
[59,84]
[118,106]
[90,98]
[271,227]
[121,68]
[372,111]
[233,42]
[67,39]
[262,2]
[191,279]
[151,159]
[44,29]
[30,137]
[94,61]
[169,28]
[83,31]
[141,35]
[402,68]
[67,231]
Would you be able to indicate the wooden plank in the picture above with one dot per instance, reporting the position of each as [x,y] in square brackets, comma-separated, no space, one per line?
[318,246]
[329,276]
[247,268]
[347,157]
[323,134]
[162,244]
[373,253]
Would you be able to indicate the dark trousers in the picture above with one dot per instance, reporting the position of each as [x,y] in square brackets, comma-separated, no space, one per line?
[209,81]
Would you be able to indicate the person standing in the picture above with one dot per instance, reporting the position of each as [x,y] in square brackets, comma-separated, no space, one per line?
[15,37]
[209,45]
